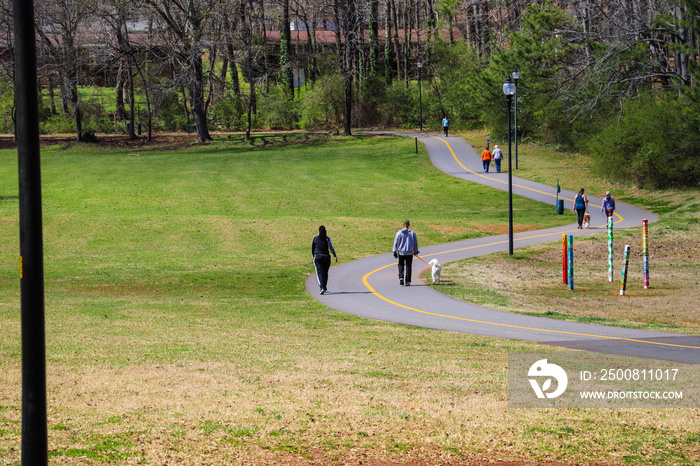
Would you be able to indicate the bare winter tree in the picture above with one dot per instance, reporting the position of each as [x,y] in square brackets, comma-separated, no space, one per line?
[59,25]
[349,16]
[7,70]
[187,23]
[249,38]
[309,14]
[115,16]
[626,47]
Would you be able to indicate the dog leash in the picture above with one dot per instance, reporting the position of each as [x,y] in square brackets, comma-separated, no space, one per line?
[419,257]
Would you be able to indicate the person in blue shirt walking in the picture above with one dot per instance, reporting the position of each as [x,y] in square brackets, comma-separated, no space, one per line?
[580,206]
[405,247]
[445,124]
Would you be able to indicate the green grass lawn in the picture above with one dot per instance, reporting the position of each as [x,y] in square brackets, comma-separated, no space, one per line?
[231,221]
[179,331]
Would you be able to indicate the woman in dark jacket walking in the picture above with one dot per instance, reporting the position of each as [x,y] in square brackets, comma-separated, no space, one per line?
[320,247]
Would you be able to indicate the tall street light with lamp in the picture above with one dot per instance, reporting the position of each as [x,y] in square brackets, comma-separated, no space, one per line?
[420,93]
[509,91]
[516,75]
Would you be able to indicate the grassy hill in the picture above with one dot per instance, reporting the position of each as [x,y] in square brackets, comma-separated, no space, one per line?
[179,331]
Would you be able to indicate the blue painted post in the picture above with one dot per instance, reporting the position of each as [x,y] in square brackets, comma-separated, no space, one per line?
[645,252]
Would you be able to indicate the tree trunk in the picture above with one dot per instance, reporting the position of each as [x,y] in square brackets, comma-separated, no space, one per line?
[374,38]
[119,91]
[406,45]
[349,25]
[197,96]
[338,38]
[52,95]
[286,51]
[132,118]
[148,102]
[79,122]
[251,101]
[235,83]
[388,49]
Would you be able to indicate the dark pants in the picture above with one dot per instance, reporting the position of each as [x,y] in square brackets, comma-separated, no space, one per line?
[322,262]
[405,264]
[498,164]
[445,128]
[580,213]
[486,165]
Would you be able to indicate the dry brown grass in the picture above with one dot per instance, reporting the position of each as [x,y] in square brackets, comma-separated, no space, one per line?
[365,409]
[533,282]
[324,408]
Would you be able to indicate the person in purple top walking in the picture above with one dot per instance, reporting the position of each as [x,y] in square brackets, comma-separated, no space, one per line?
[608,205]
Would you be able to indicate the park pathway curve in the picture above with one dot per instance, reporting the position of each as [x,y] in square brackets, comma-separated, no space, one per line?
[369,287]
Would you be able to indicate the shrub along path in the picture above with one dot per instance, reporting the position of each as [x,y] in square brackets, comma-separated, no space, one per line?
[370,288]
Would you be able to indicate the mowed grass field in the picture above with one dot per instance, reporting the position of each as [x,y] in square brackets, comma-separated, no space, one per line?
[179,331]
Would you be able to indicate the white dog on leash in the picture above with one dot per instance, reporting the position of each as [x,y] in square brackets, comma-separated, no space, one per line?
[437,270]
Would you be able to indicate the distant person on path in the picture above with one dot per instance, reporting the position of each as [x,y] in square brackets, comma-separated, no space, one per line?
[486,159]
[405,247]
[320,247]
[497,157]
[608,205]
[445,124]
[580,206]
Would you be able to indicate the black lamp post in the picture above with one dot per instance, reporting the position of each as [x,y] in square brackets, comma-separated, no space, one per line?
[509,91]
[31,252]
[420,93]
[516,75]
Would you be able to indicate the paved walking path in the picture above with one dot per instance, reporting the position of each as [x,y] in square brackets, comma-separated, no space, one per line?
[369,287]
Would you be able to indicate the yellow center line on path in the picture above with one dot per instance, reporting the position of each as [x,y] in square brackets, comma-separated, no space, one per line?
[505,182]
[365,280]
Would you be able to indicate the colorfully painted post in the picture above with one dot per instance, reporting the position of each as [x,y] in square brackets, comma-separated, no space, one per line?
[610,249]
[564,262]
[570,260]
[645,252]
[625,264]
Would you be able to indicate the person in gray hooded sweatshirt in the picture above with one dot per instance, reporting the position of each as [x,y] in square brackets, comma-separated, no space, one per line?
[405,247]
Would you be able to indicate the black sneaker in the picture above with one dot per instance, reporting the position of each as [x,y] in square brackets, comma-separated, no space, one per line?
[400,282]
[408,283]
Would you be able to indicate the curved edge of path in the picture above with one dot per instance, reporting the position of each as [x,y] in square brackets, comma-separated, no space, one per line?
[369,287]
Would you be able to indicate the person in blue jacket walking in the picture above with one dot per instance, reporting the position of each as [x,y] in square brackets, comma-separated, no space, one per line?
[446,124]
[405,247]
